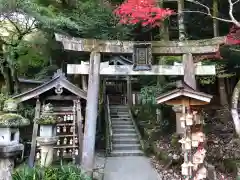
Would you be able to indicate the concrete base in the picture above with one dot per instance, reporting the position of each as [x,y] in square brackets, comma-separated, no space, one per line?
[46,155]
[6,168]
[47,150]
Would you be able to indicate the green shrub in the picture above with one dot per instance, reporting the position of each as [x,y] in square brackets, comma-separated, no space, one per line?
[62,172]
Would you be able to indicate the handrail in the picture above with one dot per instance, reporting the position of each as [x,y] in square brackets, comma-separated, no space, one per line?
[136,127]
[109,133]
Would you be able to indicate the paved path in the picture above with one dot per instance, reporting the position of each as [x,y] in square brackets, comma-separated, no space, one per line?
[129,168]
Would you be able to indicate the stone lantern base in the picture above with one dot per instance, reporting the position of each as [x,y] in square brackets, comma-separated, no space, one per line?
[7,156]
[47,151]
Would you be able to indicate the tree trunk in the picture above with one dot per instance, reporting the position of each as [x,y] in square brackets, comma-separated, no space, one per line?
[6,71]
[16,81]
[222,92]
[234,110]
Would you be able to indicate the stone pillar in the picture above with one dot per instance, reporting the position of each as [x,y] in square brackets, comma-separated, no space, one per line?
[178,110]
[47,151]
[91,114]
[7,156]
[6,168]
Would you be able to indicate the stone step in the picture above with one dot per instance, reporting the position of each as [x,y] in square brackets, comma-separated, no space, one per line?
[116,153]
[119,114]
[126,146]
[118,108]
[124,131]
[117,126]
[124,135]
[125,140]
[123,122]
[120,117]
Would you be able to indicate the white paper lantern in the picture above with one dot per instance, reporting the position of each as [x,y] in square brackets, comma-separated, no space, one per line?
[201,136]
[58,129]
[64,152]
[71,141]
[198,157]
[68,117]
[71,129]
[58,152]
[188,144]
[64,129]
[185,169]
[76,152]
[65,141]
[195,140]
[190,164]
[182,122]
[189,120]
[38,155]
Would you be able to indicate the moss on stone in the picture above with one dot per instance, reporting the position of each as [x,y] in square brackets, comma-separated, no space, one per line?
[13,120]
[8,108]
[46,119]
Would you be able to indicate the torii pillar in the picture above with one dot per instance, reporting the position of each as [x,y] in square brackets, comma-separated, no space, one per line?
[88,151]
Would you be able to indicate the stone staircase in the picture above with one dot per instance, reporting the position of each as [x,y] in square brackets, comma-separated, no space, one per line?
[125,138]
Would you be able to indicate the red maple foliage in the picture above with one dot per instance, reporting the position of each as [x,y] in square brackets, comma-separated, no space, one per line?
[233,37]
[144,12]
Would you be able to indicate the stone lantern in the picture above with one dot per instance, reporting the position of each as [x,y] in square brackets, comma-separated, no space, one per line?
[47,136]
[10,122]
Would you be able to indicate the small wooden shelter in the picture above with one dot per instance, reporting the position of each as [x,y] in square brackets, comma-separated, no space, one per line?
[189,126]
[67,100]
[184,95]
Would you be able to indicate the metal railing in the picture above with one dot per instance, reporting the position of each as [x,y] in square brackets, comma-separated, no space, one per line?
[108,122]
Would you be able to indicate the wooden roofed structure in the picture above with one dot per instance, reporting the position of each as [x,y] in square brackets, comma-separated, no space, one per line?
[69,103]
[59,82]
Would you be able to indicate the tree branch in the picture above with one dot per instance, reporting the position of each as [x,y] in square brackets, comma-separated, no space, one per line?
[208,13]
[231,4]
[213,17]
[236,2]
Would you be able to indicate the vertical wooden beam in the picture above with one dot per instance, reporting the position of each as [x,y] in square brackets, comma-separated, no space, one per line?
[84,82]
[74,132]
[91,114]
[129,91]
[80,131]
[34,135]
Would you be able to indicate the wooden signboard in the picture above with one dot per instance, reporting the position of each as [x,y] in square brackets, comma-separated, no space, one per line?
[142,57]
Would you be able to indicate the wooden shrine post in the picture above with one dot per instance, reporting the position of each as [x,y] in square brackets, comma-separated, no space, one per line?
[129,91]
[80,131]
[34,135]
[91,114]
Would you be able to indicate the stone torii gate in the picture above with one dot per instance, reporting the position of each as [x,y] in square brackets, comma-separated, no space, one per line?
[186,49]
